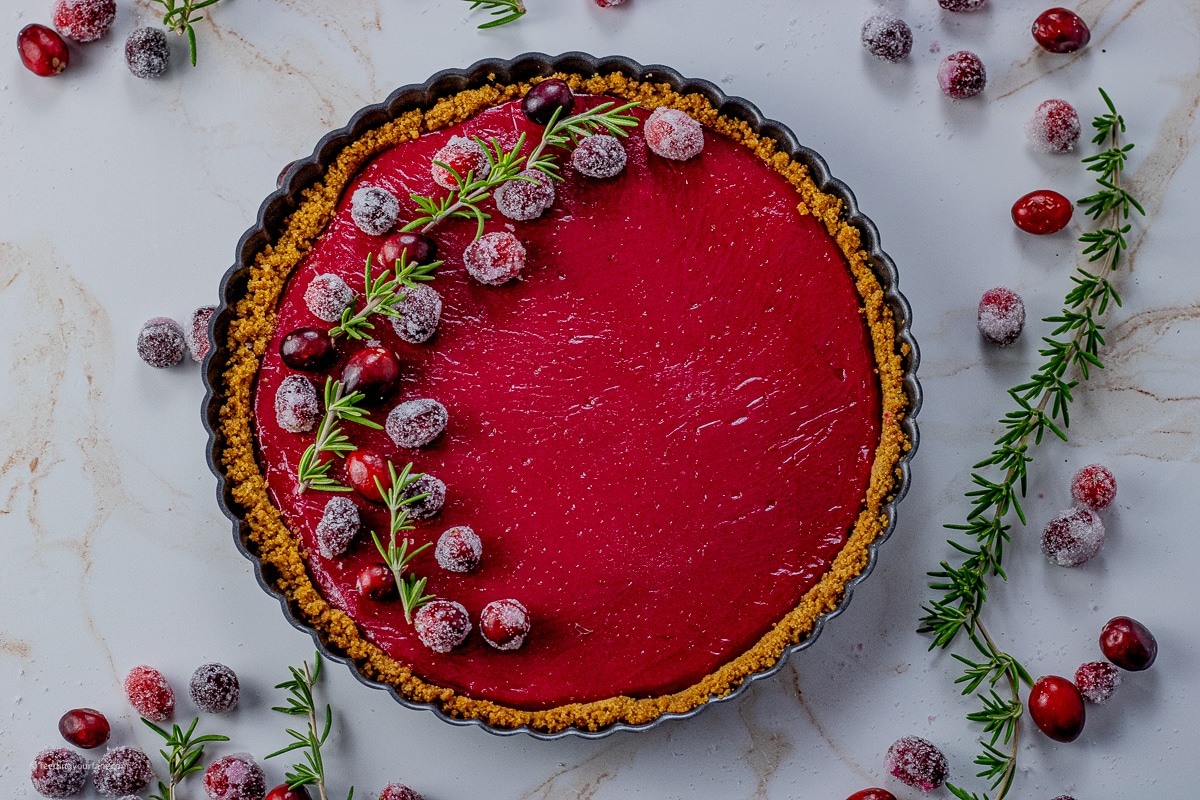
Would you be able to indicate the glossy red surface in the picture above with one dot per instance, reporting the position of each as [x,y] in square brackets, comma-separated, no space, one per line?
[662,431]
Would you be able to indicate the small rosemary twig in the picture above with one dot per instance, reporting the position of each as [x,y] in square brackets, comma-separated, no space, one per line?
[312,472]
[397,555]
[507,11]
[463,201]
[180,18]
[182,754]
[381,294]
[569,130]
[301,703]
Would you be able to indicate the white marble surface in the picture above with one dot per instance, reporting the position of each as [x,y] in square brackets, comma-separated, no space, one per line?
[123,200]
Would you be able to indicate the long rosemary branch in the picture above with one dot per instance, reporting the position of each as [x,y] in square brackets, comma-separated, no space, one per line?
[302,703]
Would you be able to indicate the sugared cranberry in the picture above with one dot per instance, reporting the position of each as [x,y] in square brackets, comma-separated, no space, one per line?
[1128,643]
[872,794]
[416,423]
[494,258]
[214,688]
[961,5]
[338,526]
[442,625]
[434,492]
[609,3]
[235,777]
[916,762]
[458,549]
[886,36]
[504,624]
[195,335]
[1063,797]
[376,582]
[1056,707]
[961,75]
[285,792]
[545,98]
[147,53]
[327,296]
[84,20]
[367,471]
[462,155]
[84,727]
[43,52]
[420,311]
[297,407]
[308,349]
[1042,212]
[160,342]
[1096,680]
[374,371]
[374,210]
[149,693]
[1073,537]
[58,772]
[1094,486]
[1001,316]
[420,249]
[526,197]
[398,791]
[673,134]
[599,156]
[1054,127]
[122,771]
[1060,30]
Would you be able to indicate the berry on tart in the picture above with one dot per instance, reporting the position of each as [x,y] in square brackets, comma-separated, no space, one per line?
[540,102]
[84,727]
[416,423]
[376,582]
[599,156]
[1056,707]
[308,349]
[442,625]
[673,134]
[149,693]
[1128,643]
[214,688]
[494,258]
[1073,537]
[147,53]
[1054,127]
[886,36]
[504,624]
[327,296]
[338,526]
[1094,486]
[434,492]
[462,157]
[84,20]
[121,771]
[297,406]
[459,549]
[196,333]
[1001,316]
[1060,30]
[235,777]
[374,210]
[43,52]
[961,75]
[366,471]
[916,762]
[374,371]
[419,312]
[1097,680]
[525,197]
[1042,212]
[417,248]
[160,342]
[58,772]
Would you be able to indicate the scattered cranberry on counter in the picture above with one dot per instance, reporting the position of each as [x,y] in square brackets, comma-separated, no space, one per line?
[961,75]
[673,134]
[526,197]
[961,5]
[374,371]
[1054,127]
[1042,212]
[235,777]
[494,258]
[429,505]
[1073,537]
[1128,643]
[1063,797]
[214,688]
[442,625]
[297,407]
[84,20]
[1001,316]
[886,36]
[459,549]
[1094,486]
[338,526]
[376,582]
[43,52]
[122,771]
[462,155]
[1097,680]
[149,693]
[1056,707]
[916,762]
[285,792]
[398,791]
[84,727]
[196,334]
[160,342]
[872,794]
[609,3]
[1060,30]
[374,210]
[308,349]
[58,772]
[504,624]
[599,156]
[420,249]
[540,102]
[147,53]
[366,472]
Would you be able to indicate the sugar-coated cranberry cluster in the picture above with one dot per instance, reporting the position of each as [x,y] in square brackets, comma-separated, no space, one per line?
[44,51]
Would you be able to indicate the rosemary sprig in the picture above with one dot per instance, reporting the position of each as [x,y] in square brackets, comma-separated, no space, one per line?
[301,703]
[180,18]
[182,754]
[507,11]
[381,294]
[568,131]
[397,555]
[1042,407]
[312,472]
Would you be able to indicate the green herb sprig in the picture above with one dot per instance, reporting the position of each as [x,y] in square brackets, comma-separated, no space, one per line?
[1042,407]
[506,10]
[182,754]
[181,16]
[313,472]
[396,554]
[567,132]
[301,703]
[381,294]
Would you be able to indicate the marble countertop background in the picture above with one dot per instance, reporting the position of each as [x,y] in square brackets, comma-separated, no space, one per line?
[123,200]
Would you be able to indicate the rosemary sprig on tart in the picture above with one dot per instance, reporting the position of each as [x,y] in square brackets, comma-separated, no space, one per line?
[568,131]
[312,472]
[396,554]
[381,294]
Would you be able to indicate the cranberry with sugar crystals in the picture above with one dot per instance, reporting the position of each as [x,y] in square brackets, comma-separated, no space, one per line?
[609,3]
[442,625]
[1097,680]
[1073,537]
[419,247]
[58,772]
[327,296]
[374,371]
[367,471]
[434,491]
[297,407]
[84,727]
[161,343]
[1060,30]
[147,53]
[458,549]
[673,134]
[149,693]
[599,156]
[1128,643]
[122,771]
[235,777]
[504,624]
[1094,486]
[1042,212]
[214,688]
[398,791]
[1054,127]
[376,582]
[961,75]
[540,102]
[196,334]
[961,5]
[916,762]
[872,794]
[420,312]
[285,792]
[308,349]
[43,52]
[494,258]
[462,155]
[338,526]
[886,36]
[525,197]
[1001,316]
[374,210]
[84,20]
[1056,707]
[416,423]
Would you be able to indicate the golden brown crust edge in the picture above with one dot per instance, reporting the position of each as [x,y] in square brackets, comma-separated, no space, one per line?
[269,539]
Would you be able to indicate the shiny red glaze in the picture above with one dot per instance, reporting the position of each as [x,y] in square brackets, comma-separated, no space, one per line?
[1042,212]
[366,471]
[282,792]
[1056,707]
[1060,30]
[374,371]
[308,349]
[43,51]
[540,102]
[1128,643]
[84,727]
[421,249]
[376,582]
[872,794]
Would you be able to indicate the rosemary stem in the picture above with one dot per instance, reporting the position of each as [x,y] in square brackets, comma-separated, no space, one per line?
[316,740]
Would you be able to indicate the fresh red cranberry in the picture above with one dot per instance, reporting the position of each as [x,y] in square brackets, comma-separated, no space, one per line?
[1097,680]
[376,582]
[215,688]
[1001,316]
[43,52]
[961,75]
[122,771]
[1054,127]
[916,762]
[398,791]
[886,36]
[374,371]
[149,693]
[147,53]
[420,248]
[84,727]
[285,792]
[1094,486]
[494,258]
[235,777]
[673,134]
[442,625]
[367,471]
[544,99]
[1060,30]
[872,794]
[308,349]
[1073,537]
[1042,212]
[1056,707]
[504,624]
[1128,643]
[58,772]
[84,20]
[462,155]
[283,174]
[458,549]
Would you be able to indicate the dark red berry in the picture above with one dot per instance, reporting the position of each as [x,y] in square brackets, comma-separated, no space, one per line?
[376,582]
[545,98]
[338,526]
[149,693]
[599,156]
[285,792]
[308,349]
[398,791]
[459,549]
[420,311]
[916,762]
[1054,127]
[195,335]
[374,371]
[961,75]
[214,688]
[366,472]
[1073,537]
[1128,643]
[283,174]
[84,727]
[84,20]
[416,423]
[872,794]
[147,52]
[886,36]
[961,5]
[432,492]
[374,210]
[1097,680]
[526,197]
[1056,707]
[420,248]
[43,52]
[122,771]
[504,624]
[1060,30]
[1042,212]
[58,772]
[1001,316]
[442,625]
[1094,486]
[494,258]
[161,343]
[235,777]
